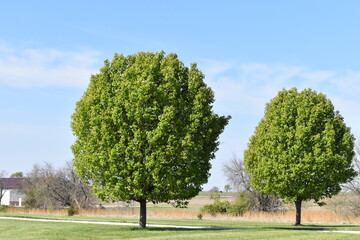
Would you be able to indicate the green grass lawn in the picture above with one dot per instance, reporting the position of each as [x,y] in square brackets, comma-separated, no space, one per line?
[15,229]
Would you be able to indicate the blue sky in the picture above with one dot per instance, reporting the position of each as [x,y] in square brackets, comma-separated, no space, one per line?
[248,50]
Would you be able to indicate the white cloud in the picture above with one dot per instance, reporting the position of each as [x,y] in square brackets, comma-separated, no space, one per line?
[348,83]
[245,88]
[318,76]
[46,67]
[213,68]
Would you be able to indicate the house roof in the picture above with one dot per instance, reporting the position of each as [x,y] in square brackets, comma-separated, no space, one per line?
[11,183]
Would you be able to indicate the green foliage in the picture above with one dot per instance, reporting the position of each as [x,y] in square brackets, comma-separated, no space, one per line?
[301,149]
[145,129]
[17,175]
[237,208]
[216,207]
[243,203]
[3,208]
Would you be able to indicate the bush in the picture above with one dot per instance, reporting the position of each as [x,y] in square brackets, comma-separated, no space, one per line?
[3,208]
[216,207]
[242,204]
[72,211]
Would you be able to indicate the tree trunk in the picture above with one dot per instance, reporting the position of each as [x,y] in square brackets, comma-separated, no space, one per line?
[142,222]
[298,212]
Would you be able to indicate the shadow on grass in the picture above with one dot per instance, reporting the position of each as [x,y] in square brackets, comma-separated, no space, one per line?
[334,226]
[316,227]
[291,228]
[187,229]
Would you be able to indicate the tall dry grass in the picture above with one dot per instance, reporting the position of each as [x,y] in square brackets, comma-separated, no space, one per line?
[308,216]
[311,213]
[37,211]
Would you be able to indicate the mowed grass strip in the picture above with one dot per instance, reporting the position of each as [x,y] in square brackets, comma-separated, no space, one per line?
[17,229]
[195,222]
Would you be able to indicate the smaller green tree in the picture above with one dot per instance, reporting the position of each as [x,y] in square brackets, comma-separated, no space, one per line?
[301,149]
[227,188]
[17,175]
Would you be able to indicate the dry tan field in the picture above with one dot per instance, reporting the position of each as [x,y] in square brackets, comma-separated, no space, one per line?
[311,212]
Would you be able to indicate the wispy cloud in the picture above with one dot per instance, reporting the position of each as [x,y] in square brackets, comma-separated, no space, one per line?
[46,67]
[245,88]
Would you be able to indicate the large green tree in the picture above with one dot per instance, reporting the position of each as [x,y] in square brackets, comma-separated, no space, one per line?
[145,130]
[301,149]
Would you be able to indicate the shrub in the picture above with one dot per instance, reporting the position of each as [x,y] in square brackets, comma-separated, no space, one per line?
[242,204]
[72,211]
[3,208]
[216,207]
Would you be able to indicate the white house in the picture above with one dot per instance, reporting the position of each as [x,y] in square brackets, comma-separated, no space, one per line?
[12,195]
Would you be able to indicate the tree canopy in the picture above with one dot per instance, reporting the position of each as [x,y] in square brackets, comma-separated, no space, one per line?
[301,149]
[145,130]
[17,175]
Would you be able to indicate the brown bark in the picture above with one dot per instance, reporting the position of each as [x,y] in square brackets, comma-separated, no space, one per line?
[142,222]
[298,212]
